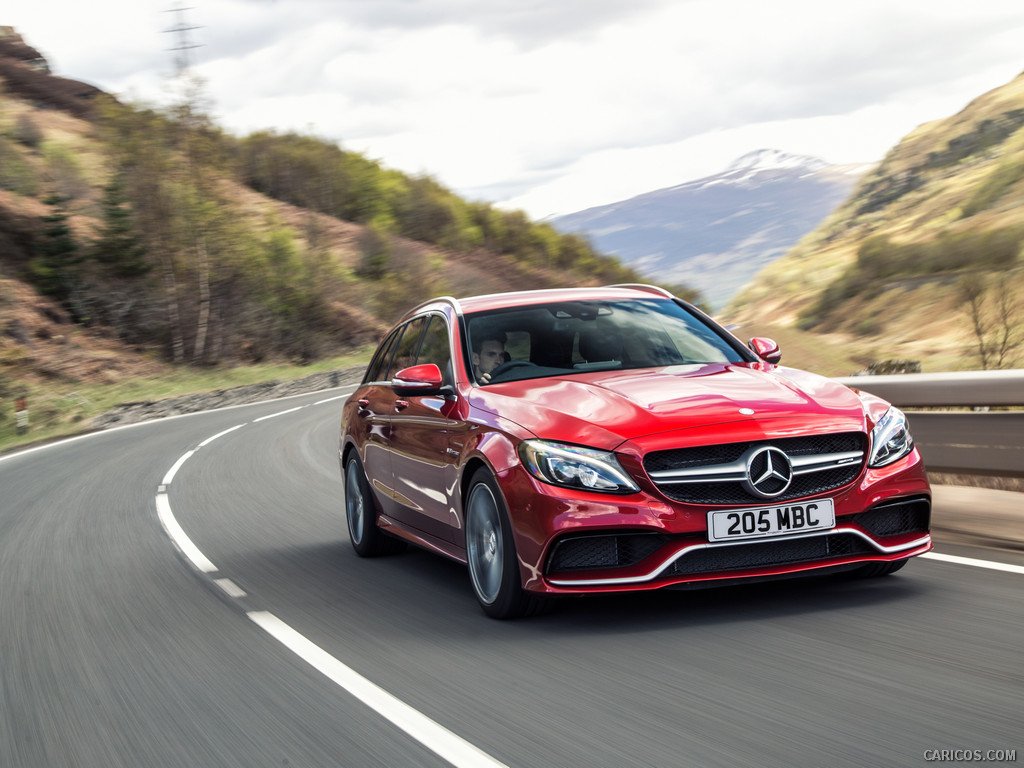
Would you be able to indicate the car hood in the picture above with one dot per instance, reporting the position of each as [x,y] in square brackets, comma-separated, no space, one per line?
[608,408]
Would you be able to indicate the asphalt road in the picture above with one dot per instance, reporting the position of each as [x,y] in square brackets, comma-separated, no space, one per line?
[985,443]
[116,651]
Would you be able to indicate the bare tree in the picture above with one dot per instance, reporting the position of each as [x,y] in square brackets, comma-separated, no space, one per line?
[1009,328]
[997,320]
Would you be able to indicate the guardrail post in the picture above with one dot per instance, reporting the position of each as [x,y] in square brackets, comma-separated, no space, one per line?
[21,414]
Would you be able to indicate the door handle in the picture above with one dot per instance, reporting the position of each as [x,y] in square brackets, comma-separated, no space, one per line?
[401,405]
[364,401]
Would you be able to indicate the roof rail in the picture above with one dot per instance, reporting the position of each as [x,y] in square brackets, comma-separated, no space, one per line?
[645,287]
[437,300]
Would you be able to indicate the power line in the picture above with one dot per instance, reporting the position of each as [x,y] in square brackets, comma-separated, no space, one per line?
[182,42]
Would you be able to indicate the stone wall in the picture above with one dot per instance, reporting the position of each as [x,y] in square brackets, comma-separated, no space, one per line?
[133,413]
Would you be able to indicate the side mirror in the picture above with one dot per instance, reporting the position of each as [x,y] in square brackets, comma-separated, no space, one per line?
[766,349]
[419,380]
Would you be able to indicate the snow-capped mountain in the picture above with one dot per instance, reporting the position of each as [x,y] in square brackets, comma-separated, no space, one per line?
[772,159]
[717,232]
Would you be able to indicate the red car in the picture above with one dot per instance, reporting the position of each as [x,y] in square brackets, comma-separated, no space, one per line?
[590,440]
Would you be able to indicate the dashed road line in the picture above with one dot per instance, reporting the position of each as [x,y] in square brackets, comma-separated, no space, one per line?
[427,732]
[279,413]
[180,538]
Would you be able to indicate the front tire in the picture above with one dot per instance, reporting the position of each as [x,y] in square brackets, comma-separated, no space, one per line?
[491,553]
[361,515]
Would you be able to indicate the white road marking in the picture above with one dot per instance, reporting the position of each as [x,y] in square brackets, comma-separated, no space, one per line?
[279,413]
[230,588]
[331,399]
[990,564]
[46,446]
[209,440]
[89,435]
[175,467]
[430,734]
[179,537]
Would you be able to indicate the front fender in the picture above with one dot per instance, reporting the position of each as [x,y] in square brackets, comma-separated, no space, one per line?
[497,451]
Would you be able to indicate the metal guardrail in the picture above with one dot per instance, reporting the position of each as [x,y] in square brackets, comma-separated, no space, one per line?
[936,390]
[959,442]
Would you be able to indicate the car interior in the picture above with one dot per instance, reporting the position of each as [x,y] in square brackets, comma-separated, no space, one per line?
[549,340]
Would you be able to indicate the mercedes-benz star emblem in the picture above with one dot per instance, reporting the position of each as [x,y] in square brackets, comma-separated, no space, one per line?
[769,472]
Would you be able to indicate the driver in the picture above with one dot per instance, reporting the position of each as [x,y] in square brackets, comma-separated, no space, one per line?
[488,354]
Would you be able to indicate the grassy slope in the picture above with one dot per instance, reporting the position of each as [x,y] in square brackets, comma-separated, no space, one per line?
[914,317]
[62,408]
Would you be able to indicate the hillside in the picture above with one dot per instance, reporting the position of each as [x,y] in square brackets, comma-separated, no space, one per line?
[156,229]
[145,250]
[25,71]
[63,136]
[716,233]
[887,271]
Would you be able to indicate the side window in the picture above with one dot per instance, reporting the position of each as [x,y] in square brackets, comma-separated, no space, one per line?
[517,346]
[408,345]
[379,364]
[436,349]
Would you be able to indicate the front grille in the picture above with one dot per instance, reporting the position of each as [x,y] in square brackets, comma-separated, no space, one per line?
[894,518]
[765,554]
[708,483]
[581,552]
[576,553]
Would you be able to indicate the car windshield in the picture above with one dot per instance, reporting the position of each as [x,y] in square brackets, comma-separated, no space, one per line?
[579,336]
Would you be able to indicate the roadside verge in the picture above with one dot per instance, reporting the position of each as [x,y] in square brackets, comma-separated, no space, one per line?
[979,516]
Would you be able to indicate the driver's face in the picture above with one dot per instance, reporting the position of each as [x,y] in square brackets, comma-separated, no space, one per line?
[491,355]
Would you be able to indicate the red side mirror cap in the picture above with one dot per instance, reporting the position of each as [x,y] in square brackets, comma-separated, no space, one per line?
[418,380]
[766,349]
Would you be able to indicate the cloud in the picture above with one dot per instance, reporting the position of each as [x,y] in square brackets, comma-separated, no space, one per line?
[555,105]
[526,23]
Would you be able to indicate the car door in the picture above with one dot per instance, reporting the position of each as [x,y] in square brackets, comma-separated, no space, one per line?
[421,460]
[376,408]
[371,422]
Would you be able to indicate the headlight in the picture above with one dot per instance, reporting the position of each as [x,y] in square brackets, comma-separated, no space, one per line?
[890,439]
[573,466]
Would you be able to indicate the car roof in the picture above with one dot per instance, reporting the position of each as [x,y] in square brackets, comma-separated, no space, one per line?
[493,301]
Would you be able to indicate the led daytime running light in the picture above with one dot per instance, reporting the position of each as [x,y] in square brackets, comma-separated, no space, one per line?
[573,466]
[890,439]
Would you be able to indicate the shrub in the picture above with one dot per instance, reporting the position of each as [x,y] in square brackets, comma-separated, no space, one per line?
[27,132]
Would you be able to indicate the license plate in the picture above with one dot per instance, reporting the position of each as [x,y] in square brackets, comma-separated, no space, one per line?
[762,522]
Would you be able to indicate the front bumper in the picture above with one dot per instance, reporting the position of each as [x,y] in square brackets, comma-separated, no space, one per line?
[574,545]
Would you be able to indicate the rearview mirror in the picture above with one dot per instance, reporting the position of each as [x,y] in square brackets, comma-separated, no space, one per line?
[766,349]
[422,379]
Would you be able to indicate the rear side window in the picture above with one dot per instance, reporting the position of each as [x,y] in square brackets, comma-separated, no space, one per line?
[435,348]
[379,364]
[408,345]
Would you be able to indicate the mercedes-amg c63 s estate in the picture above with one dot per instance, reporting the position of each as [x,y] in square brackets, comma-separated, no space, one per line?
[575,441]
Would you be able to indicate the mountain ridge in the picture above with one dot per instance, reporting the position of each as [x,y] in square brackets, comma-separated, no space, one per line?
[714,233]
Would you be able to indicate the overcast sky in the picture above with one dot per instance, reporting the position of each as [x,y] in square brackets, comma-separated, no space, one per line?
[552,106]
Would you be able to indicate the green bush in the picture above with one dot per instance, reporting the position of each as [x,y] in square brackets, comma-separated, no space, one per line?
[994,187]
[880,260]
[16,173]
